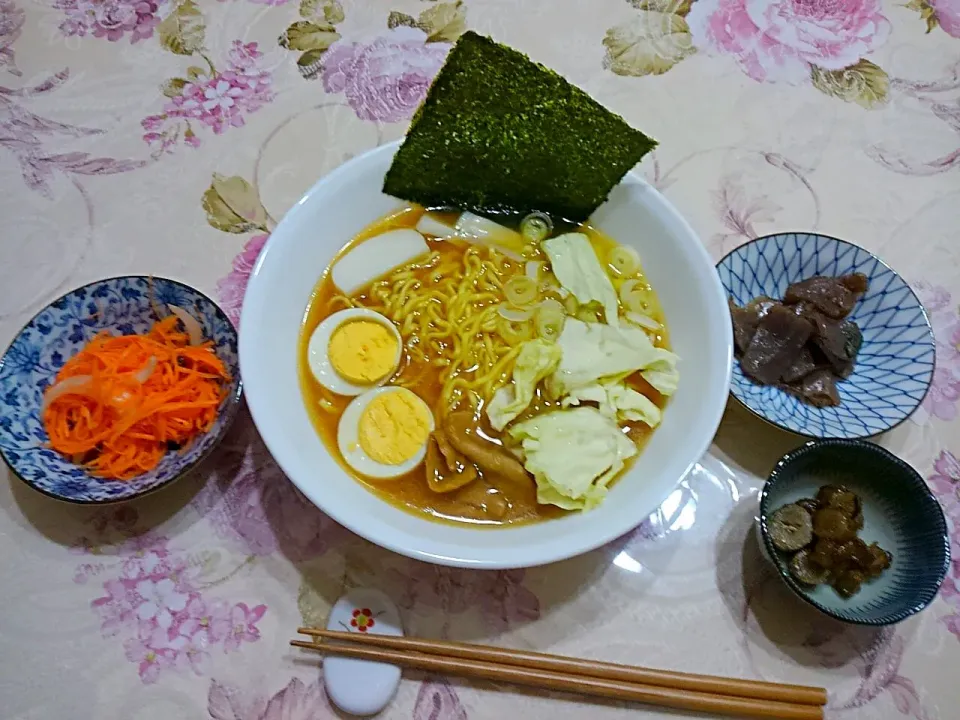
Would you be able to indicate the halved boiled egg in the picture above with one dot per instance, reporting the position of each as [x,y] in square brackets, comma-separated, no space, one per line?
[354,350]
[383,433]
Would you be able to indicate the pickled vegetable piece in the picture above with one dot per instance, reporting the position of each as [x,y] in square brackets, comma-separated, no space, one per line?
[790,528]
[832,524]
[848,584]
[805,569]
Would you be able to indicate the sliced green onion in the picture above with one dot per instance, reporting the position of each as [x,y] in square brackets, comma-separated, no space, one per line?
[635,296]
[644,321]
[624,260]
[513,315]
[512,332]
[536,226]
[550,319]
[570,304]
[520,291]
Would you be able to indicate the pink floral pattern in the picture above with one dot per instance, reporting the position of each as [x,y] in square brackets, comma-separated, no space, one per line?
[232,287]
[110,19]
[437,700]
[154,598]
[945,483]
[28,137]
[780,40]
[11,21]
[947,13]
[942,399]
[251,503]
[217,100]
[499,596]
[384,81]
[297,701]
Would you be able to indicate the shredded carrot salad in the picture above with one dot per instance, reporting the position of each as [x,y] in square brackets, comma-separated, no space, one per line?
[123,402]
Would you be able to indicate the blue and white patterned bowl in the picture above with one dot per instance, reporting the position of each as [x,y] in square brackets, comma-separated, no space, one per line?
[899,512]
[895,364]
[121,305]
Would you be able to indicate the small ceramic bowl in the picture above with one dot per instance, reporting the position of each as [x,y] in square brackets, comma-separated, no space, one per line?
[899,513]
[121,305]
[895,364]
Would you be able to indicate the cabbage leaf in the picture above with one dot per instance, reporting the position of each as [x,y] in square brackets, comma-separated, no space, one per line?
[573,455]
[594,351]
[576,266]
[617,401]
[536,360]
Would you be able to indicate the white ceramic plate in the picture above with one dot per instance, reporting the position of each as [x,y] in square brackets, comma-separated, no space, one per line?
[343,203]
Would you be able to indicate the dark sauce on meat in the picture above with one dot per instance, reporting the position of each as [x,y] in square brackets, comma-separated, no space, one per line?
[804,343]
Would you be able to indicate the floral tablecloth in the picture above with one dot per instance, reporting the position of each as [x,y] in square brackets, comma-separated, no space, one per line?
[169,136]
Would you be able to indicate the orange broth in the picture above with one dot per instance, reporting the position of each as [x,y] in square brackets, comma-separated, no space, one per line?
[410,491]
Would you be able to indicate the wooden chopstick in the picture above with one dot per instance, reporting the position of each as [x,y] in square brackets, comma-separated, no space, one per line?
[614,689]
[754,689]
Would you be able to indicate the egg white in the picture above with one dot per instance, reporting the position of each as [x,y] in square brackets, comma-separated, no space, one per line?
[348,440]
[318,351]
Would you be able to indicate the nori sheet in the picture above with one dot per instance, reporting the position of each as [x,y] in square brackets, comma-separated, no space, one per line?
[498,132]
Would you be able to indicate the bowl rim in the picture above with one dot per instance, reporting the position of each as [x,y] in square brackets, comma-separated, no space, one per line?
[543,557]
[231,410]
[880,261]
[928,593]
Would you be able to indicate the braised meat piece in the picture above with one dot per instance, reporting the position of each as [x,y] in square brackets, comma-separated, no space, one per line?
[819,389]
[833,296]
[775,345]
[802,365]
[746,319]
[805,343]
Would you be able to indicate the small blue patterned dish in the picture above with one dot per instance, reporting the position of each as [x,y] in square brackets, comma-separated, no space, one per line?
[899,513]
[895,364]
[121,305]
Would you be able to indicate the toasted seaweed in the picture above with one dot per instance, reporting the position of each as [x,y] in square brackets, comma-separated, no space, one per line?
[498,132]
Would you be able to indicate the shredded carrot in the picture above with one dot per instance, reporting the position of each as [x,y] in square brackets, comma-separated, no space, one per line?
[134,398]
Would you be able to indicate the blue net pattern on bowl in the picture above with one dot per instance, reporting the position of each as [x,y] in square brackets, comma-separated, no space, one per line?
[895,364]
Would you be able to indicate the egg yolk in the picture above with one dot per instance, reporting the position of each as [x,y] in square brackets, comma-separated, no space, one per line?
[363,351]
[393,427]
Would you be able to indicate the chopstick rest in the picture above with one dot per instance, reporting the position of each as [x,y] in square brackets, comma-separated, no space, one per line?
[362,687]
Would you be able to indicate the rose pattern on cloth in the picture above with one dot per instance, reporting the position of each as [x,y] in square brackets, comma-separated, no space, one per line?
[499,596]
[212,99]
[28,137]
[11,21]
[385,80]
[297,701]
[110,19]
[150,586]
[154,597]
[823,42]
[947,13]
[943,397]
[945,484]
[944,14]
[437,700]
[781,40]
[251,503]
[230,289]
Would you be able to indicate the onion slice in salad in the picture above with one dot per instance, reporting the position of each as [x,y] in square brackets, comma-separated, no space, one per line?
[190,324]
[64,387]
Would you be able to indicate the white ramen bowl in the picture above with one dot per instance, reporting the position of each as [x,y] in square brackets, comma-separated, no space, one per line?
[350,198]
